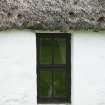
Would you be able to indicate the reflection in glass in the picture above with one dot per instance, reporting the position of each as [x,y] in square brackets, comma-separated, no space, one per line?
[45,83]
[59,84]
[59,51]
[45,51]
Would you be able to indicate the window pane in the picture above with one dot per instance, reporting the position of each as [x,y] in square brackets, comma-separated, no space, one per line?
[45,83]
[60,51]
[45,50]
[59,84]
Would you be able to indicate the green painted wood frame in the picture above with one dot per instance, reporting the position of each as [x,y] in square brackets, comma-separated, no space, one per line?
[53,67]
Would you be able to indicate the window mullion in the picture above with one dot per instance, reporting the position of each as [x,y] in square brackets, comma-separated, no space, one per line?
[52,54]
[52,64]
[52,84]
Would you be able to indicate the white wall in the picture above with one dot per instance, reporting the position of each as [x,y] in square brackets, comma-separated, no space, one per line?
[88,68]
[17,68]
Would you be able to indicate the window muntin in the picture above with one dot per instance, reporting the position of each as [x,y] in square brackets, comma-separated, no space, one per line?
[53,67]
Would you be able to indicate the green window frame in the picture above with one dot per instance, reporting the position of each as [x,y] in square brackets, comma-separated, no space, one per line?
[53,67]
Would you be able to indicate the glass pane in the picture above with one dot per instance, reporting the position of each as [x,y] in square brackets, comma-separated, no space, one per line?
[45,83]
[45,51]
[59,84]
[60,51]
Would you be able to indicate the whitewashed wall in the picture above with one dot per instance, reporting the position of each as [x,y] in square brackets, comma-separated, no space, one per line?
[17,68]
[88,69]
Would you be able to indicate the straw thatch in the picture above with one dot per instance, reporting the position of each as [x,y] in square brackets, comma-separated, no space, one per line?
[60,15]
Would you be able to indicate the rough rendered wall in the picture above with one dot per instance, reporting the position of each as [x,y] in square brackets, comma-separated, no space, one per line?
[52,14]
[18,68]
[88,68]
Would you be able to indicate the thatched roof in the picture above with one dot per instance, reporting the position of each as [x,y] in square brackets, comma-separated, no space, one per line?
[60,15]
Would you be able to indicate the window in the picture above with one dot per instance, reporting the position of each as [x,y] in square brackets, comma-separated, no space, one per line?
[53,68]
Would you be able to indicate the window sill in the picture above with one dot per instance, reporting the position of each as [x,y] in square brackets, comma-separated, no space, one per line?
[55,104]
